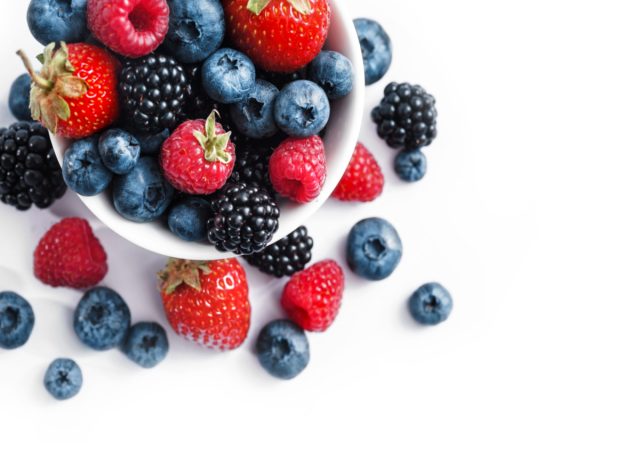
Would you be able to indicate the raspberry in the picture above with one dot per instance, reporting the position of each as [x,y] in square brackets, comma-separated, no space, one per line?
[363,180]
[70,255]
[298,168]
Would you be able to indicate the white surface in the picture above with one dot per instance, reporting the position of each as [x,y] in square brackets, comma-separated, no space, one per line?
[528,215]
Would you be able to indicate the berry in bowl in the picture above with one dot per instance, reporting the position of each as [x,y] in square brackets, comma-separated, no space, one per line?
[186,132]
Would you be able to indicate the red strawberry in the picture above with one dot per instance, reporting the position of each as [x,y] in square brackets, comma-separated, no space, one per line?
[298,168]
[70,255]
[312,297]
[75,94]
[198,157]
[278,35]
[207,302]
[363,180]
[132,28]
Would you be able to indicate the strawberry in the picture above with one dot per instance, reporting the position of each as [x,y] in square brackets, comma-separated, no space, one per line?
[363,180]
[198,157]
[278,35]
[207,302]
[312,297]
[70,255]
[75,94]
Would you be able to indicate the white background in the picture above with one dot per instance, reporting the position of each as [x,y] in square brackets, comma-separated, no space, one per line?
[529,215]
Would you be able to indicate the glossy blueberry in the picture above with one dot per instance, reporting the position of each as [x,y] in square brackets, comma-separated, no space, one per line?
[119,150]
[151,143]
[143,194]
[19,97]
[196,29]
[188,218]
[410,165]
[374,249]
[101,319]
[63,379]
[58,20]
[376,49]
[16,320]
[430,304]
[302,109]
[83,169]
[253,116]
[283,349]
[146,344]
[228,76]
[333,72]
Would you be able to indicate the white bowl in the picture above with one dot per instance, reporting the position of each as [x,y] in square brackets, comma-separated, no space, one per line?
[340,140]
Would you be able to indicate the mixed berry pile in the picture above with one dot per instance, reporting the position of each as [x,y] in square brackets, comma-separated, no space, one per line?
[202,114]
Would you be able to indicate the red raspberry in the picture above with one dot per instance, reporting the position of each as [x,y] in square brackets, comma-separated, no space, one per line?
[363,180]
[312,297]
[70,255]
[298,168]
[132,28]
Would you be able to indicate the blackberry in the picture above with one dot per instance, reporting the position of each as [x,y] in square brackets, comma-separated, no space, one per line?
[286,257]
[406,116]
[154,91]
[252,162]
[29,171]
[245,218]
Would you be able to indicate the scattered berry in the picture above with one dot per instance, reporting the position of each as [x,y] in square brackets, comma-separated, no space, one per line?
[119,150]
[83,169]
[70,255]
[101,319]
[188,219]
[19,97]
[374,249]
[146,344]
[298,168]
[283,349]
[363,180]
[312,297]
[333,72]
[16,320]
[285,257]
[376,49]
[228,76]
[57,20]
[207,302]
[406,116]
[132,28]
[301,109]
[430,304]
[410,165]
[253,116]
[252,163]
[63,379]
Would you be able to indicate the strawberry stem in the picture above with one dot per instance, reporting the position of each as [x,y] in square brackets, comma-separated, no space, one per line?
[39,81]
[301,6]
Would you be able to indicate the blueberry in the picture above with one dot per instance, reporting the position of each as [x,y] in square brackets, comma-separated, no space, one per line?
[228,76]
[410,165]
[333,72]
[16,320]
[374,249]
[101,319]
[83,169]
[63,379]
[188,218]
[196,29]
[143,194]
[146,344]
[376,49]
[430,304]
[283,349]
[151,143]
[58,20]
[119,150]
[19,97]
[302,109]
[253,116]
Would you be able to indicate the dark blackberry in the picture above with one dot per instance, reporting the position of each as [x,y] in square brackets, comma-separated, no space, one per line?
[282,79]
[285,257]
[252,162]
[406,116]
[29,171]
[154,91]
[245,218]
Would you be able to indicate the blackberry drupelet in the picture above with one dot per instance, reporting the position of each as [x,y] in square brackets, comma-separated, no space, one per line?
[154,91]
[285,257]
[244,220]
[406,116]
[252,162]
[29,171]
